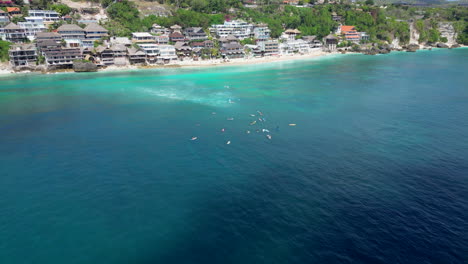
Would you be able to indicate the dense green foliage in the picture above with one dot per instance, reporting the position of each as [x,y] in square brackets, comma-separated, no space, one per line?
[61,9]
[428,31]
[317,21]
[461,27]
[247,41]
[4,47]
[126,19]
[381,24]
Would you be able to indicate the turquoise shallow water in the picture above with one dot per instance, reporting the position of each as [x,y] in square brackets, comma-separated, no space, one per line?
[99,168]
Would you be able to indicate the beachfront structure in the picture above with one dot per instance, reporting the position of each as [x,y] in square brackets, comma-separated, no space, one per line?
[142,37]
[23,55]
[197,52]
[136,56]
[151,51]
[202,44]
[269,47]
[197,44]
[255,50]
[167,53]
[195,34]
[228,39]
[48,16]
[32,26]
[4,18]
[71,31]
[94,31]
[155,53]
[62,57]
[120,55]
[160,30]
[14,33]
[13,11]
[350,33]
[183,49]
[330,43]
[54,36]
[312,41]
[162,39]
[43,45]
[290,34]
[208,44]
[176,36]
[176,28]
[120,41]
[85,43]
[72,34]
[261,32]
[106,55]
[232,50]
[119,50]
[364,36]
[294,46]
[238,28]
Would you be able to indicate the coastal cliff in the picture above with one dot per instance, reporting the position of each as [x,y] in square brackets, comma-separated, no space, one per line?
[447,30]
[414,34]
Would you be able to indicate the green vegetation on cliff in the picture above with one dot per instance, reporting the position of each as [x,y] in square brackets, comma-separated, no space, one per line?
[382,24]
[4,47]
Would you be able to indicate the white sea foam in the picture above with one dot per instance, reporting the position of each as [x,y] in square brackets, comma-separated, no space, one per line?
[199,96]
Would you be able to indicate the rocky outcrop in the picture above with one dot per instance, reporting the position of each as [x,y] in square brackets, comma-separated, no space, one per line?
[374,50]
[442,45]
[446,30]
[80,66]
[455,46]
[395,44]
[412,47]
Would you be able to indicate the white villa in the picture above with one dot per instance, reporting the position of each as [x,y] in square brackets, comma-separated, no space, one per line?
[48,16]
[32,26]
[167,53]
[294,46]
[142,37]
[238,28]
[261,32]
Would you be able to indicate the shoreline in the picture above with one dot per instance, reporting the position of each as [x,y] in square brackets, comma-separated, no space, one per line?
[203,63]
[191,63]
[221,63]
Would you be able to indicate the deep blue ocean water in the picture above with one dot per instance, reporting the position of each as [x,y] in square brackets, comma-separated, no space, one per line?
[100,168]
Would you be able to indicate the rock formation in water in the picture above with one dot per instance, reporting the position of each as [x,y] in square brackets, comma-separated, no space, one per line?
[412,47]
[81,66]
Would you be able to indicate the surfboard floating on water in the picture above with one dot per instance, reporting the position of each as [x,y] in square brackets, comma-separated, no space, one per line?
[292,124]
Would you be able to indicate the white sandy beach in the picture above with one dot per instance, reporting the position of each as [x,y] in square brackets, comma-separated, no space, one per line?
[221,62]
[5,69]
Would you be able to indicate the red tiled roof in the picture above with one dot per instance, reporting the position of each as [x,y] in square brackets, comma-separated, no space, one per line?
[13,9]
[345,29]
